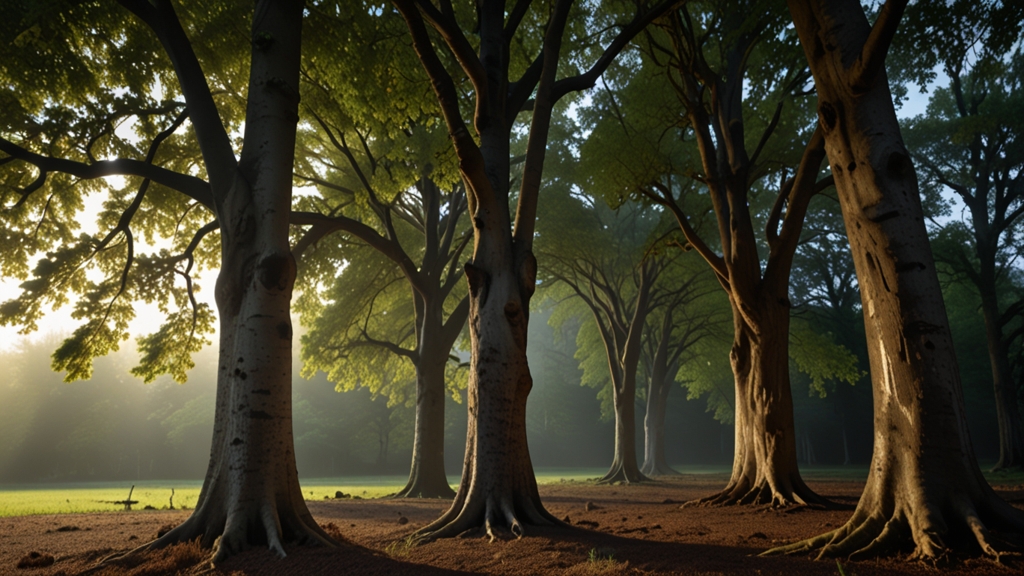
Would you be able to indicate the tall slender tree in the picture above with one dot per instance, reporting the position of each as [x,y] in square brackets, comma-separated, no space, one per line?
[419,233]
[611,261]
[685,317]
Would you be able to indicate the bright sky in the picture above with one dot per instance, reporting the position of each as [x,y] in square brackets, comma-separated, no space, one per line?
[148,318]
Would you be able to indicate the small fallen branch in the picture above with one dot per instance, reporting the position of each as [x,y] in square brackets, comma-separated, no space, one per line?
[128,501]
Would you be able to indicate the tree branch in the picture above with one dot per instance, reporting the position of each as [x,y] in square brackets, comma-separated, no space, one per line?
[213,139]
[876,48]
[191,186]
[589,78]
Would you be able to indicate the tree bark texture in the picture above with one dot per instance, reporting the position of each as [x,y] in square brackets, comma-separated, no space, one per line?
[764,467]
[251,492]
[498,489]
[924,490]
[624,467]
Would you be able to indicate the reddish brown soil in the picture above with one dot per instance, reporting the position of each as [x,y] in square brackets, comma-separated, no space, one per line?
[628,530]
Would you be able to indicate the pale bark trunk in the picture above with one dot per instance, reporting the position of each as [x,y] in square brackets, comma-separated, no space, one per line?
[654,427]
[251,492]
[498,489]
[765,467]
[924,487]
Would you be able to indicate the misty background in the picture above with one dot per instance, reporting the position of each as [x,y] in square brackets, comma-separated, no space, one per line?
[115,427]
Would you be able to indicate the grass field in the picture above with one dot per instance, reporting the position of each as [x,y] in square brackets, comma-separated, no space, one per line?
[29,499]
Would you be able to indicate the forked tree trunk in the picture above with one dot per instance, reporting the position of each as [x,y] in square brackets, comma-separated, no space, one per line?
[924,490]
[764,469]
[251,491]
[654,426]
[622,343]
[1011,433]
[427,478]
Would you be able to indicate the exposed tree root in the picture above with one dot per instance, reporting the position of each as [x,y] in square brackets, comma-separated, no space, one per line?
[761,493]
[495,517]
[228,535]
[620,473]
[930,534]
[419,489]
[651,469]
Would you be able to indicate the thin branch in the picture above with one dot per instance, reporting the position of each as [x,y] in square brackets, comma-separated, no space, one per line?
[589,78]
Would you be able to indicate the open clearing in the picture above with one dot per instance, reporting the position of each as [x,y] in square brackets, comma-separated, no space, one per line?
[636,529]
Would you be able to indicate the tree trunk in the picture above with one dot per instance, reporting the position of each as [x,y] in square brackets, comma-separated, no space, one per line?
[1011,433]
[427,477]
[764,469]
[498,489]
[924,486]
[654,425]
[654,431]
[624,468]
[251,492]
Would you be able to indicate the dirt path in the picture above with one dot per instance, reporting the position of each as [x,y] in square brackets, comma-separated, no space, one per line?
[616,530]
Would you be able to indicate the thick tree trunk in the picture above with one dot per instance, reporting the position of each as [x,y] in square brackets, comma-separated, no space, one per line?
[924,488]
[427,477]
[764,467]
[251,492]
[1011,432]
[498,489]
[654,427]
[624,468]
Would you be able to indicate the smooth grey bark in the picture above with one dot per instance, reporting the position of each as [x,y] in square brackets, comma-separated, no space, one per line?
[251,493]
[924,488]
[658,388]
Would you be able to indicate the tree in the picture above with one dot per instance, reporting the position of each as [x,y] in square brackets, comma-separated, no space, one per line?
[969,142]
[673,330]
[68,82]
[376,324]
[611,261]
[924,485]
[386,180]
[707,57]
[498,488]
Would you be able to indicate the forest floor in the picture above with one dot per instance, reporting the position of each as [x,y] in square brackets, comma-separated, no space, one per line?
[634,529]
